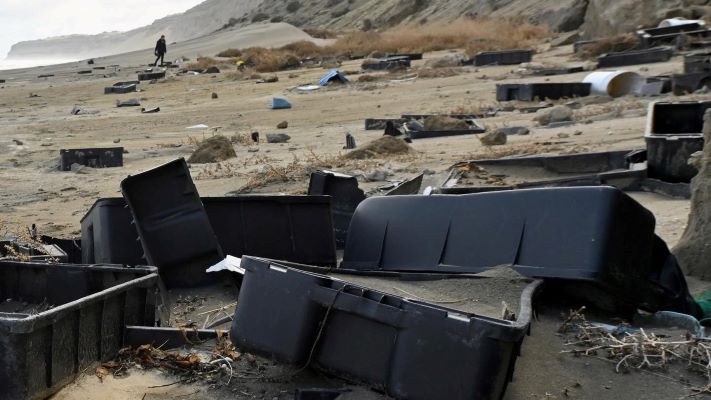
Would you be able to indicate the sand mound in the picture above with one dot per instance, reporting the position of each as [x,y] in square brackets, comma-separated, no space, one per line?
[693,251]
[443,123]
[383,147]
[214,149]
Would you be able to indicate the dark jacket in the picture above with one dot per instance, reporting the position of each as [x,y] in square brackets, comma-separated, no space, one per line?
[160,47]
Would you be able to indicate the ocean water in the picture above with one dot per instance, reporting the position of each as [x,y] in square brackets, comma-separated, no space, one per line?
[16,64]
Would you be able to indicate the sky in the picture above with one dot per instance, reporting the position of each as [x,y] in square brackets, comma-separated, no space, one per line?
[22,20]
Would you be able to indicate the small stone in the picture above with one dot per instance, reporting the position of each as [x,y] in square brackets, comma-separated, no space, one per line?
[117,140]
[283,125]
[563,135]
[18,142]
[495,138]
[214,95]
[578,133]
[428,172]
[277,138]
[253,149]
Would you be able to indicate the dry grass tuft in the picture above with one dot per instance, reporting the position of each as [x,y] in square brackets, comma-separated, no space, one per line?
[470,35]
[320,33]
[207,62]
[438,72]
[614,44]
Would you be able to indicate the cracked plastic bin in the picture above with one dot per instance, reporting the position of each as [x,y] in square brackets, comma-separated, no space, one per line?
[292,228]
[345,195]
[409,349]
[172,224]
[673,134]
[579,234]
[43,348]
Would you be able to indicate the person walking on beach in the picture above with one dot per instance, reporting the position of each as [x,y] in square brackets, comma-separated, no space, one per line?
[160,50]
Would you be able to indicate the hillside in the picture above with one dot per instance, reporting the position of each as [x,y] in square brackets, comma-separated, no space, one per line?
[594,18]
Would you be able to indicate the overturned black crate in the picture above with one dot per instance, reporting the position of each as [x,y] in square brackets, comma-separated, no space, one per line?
[506,57]
[621,59]
[120,89]
[532,91]
[543,233]
[149,76]
[689,83]
[383,340]
[697,62]
[345,197]
[387,64]
[673,134]
[171,222]
[292,228]
[106,157]
[43,348]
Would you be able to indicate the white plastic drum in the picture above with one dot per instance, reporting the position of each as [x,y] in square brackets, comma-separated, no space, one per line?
[614,83]
[680,21]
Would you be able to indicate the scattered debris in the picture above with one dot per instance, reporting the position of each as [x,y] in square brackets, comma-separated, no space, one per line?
[506,57]
[657,54]
[280,104]
[150,110]
[334,76]
[128,103]
[213,149]
[106,157]
[350,142]
[214,95]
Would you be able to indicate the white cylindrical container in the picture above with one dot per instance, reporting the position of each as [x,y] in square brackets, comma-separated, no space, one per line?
[614,83]
[676,21]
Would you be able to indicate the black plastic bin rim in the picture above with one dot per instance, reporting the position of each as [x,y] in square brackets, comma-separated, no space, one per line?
[28,324]
[514,330]
[674,136]
[105,201]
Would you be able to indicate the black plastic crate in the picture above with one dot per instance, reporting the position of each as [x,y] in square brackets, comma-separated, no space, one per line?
[506,57]
[292,228]
[108,236]
[149,76]
[120,89]
[345,197]
[409,349]
[697,62]
[387,64]
[41,352]
[172,224]
[532,91]
[621,59]
[688,83]
[673,134]
[568,233]
[95,157]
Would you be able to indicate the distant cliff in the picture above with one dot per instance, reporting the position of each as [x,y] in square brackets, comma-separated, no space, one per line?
[593,18]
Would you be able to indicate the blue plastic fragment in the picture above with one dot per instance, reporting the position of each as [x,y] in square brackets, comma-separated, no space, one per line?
[279,103]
